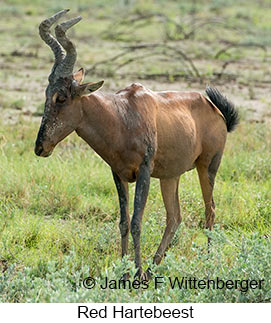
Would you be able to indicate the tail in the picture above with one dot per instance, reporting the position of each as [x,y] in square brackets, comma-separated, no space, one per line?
[226,107]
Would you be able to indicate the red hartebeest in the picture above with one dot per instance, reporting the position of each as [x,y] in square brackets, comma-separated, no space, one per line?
[139,133]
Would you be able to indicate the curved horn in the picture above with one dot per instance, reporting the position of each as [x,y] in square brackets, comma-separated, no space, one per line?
[44,30]
[65,68]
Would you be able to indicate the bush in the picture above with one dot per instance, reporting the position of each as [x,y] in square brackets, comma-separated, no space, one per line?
[234,257]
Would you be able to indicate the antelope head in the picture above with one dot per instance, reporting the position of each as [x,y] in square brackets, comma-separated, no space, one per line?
[62,111]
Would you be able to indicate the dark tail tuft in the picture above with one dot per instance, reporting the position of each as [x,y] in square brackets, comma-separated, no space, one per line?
[226,107]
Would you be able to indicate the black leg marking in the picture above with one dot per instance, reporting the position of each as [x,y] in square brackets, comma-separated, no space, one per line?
[141,194]
[124,225]
[212,170]
[213,167]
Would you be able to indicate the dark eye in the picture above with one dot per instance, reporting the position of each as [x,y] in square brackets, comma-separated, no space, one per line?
[60,99]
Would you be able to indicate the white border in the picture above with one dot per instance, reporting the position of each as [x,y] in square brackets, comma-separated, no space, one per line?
[68,312]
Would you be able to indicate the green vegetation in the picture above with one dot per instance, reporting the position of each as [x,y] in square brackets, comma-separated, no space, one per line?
[59,216]
[59,223]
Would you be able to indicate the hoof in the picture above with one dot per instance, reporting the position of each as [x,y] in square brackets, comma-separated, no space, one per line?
[149,274]
[142,275]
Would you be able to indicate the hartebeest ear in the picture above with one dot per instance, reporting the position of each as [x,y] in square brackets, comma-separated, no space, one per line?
[89,87]
[79,76]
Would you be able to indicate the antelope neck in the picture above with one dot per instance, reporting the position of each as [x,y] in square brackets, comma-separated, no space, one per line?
[99,124]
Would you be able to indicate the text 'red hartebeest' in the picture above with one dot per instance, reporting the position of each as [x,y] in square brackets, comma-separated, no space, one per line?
[139,133]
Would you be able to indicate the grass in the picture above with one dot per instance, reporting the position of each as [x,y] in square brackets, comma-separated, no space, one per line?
[59,220]
[59,216]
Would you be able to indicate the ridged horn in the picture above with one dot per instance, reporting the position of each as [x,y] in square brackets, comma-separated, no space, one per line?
[65,68]
[44,31]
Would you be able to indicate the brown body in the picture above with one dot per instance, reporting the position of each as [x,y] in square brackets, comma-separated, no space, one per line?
[139,133]
[178,126]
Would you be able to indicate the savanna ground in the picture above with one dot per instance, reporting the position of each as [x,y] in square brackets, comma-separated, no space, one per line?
[59,216]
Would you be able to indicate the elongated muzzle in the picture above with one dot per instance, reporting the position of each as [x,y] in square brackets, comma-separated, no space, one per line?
[43,148]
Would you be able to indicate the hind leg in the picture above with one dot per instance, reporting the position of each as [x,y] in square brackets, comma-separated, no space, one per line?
[169,189]
[207,170]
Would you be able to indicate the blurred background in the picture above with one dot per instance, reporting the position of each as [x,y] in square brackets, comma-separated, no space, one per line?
[162,44]
[59,216]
